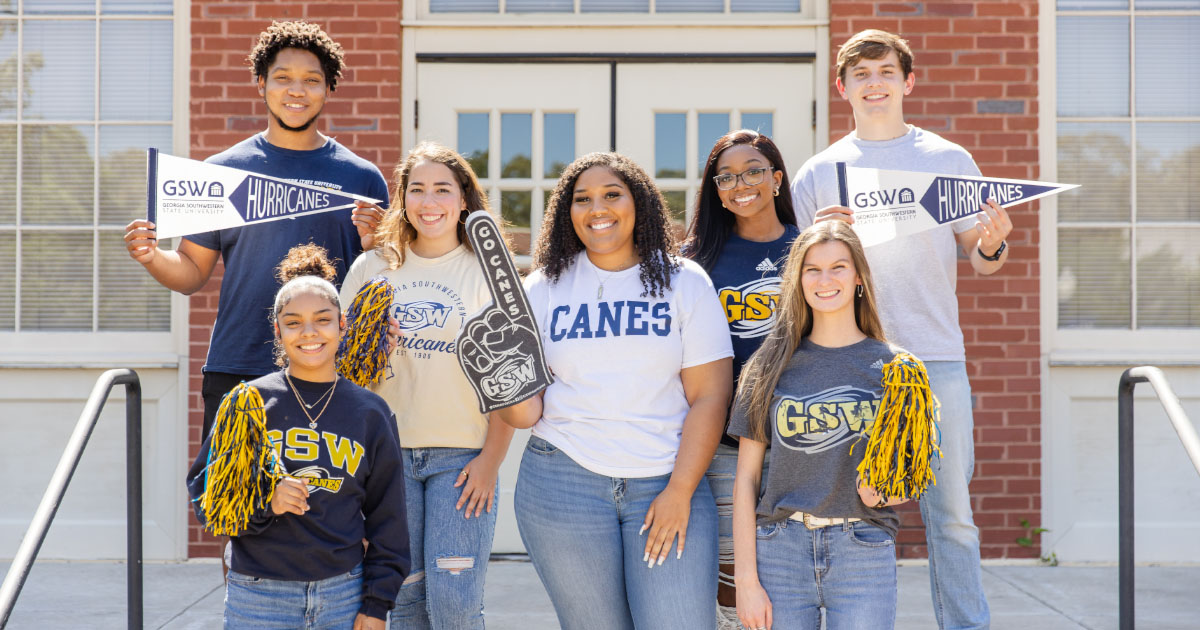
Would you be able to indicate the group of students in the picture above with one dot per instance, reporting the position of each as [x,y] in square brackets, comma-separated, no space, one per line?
[681,371]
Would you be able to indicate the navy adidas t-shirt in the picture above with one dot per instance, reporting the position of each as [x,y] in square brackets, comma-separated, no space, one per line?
[746,276]
[242,339]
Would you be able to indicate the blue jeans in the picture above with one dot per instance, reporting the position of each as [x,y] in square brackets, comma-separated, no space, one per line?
[581,531]
[261,604]
[449,553]
[720,475]
[849,570]
[956,580]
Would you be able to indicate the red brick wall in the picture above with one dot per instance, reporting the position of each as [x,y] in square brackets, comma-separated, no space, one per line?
[976,67]
[363,114]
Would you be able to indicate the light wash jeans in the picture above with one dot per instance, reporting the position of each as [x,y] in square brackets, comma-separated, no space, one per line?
[581,531]
[955,577]
[449,553]
[253,603]
[720,475]
[849,570]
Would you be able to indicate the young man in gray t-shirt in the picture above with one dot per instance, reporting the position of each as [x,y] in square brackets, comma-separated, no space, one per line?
[915,280]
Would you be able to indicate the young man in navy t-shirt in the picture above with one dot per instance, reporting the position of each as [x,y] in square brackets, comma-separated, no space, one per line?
[296,66]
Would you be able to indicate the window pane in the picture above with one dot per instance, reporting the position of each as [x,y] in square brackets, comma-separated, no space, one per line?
[1168,171]
[710,127]
[1096,155]
[1093,66]
[135,70]
[670,145]
[1163,5]
[60,86]
[140,7]
[689,6]
[120,278]
[758,121]
[614,6]
[515,207]
[764,5]
[539,6]
[473,141]
[59,7]
[8,75]
[1168,278]
[677,204]
[56,180]
[8,177]
[516,145]
[1093,278]
[8,280]
[123,170]
[559,140]
[56,280]
[1166,87]
[464,6]
[1092,5]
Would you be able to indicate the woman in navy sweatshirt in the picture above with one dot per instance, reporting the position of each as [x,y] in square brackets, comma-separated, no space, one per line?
[302,563]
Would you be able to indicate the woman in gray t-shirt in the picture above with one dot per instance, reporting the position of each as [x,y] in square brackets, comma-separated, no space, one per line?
[811,390]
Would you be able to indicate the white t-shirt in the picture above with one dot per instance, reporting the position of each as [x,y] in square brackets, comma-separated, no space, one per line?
[617,403]
[915,276]
[434,404]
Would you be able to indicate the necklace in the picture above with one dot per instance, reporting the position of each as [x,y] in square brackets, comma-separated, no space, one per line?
[312,422]
[596,270]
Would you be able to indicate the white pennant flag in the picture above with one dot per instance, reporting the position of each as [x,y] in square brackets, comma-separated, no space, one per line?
[189,197]
[892,204]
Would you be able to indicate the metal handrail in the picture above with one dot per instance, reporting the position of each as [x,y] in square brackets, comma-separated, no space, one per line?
[1191,443]
[36,534]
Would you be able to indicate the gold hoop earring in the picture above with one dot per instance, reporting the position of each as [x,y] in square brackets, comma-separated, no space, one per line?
[776,191]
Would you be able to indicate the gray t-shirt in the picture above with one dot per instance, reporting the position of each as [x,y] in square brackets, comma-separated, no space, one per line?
[914,276]
[826,398]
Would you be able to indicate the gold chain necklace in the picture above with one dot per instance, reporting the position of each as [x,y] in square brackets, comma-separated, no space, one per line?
[312,422]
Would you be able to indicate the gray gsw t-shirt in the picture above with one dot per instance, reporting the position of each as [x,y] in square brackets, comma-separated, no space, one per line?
[825,400]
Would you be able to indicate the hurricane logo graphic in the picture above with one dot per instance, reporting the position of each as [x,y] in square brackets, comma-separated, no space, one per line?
[824,420]
[414,316]
[750,308]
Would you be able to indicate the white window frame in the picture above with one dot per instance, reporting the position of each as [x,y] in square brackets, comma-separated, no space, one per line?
[1096,346]
[159,349]
[809,9]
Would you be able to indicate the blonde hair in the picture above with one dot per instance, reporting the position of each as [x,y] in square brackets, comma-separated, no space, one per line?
[395,232]
[794,321]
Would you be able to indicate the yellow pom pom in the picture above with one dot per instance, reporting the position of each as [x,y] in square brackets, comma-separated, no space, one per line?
[242,464]
[363,353]
[898,462]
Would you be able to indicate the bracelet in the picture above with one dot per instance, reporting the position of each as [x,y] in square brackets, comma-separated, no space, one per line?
[996,256]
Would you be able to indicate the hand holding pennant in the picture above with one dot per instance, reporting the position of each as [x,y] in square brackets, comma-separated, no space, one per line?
[892,204]
[500,348]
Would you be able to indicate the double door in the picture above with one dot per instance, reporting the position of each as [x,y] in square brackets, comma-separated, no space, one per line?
[520,124]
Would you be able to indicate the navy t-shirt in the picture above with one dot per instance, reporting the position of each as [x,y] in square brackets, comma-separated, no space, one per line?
[242,339]
[746,276]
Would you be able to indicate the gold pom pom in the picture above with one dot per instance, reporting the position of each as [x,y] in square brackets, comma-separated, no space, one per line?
[363,352]
[898,462]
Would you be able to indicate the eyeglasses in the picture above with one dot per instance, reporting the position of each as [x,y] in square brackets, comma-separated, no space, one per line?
[749,177]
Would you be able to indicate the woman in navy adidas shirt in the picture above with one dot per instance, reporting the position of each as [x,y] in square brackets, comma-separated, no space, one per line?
[611,501]
[740,234]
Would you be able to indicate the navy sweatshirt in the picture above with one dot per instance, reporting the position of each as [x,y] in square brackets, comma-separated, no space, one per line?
[356,491]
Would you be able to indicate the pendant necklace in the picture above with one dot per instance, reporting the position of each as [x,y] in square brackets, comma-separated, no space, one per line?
[304,407]
[600,289]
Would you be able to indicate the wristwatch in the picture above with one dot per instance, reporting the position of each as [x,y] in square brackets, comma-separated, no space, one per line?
[996,256]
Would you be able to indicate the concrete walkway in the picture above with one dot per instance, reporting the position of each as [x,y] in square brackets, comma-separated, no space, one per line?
[188,596]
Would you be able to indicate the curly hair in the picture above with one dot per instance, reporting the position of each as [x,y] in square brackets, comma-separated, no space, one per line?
[395,232]
[711,223]
[558,244]
[305,269]
[302,35]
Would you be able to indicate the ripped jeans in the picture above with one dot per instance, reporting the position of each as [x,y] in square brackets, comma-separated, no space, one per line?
[720,476]
[449,552]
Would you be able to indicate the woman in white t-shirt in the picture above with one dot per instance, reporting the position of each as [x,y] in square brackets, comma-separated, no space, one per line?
[452,453]
[613,477]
